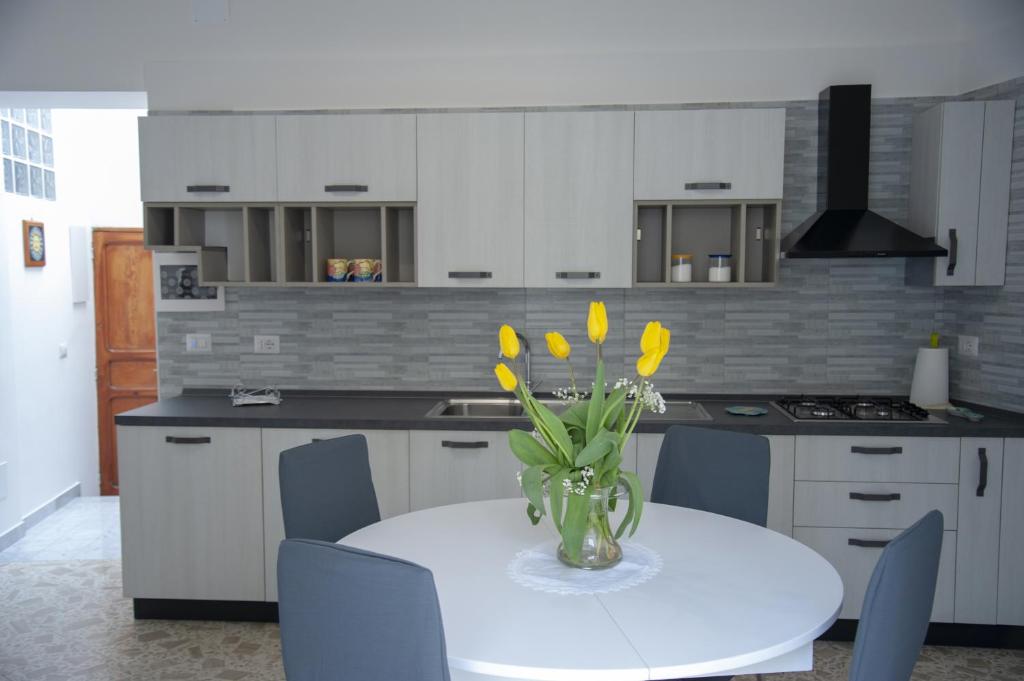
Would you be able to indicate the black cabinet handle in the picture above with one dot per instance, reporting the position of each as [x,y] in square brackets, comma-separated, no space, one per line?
[208,188]
[868,543]
[951,266]
[864,496]
[708,185]
[174,440]
[875,450]
[346,188]
[459,444]
[577,275]
[983,473]
[469,275]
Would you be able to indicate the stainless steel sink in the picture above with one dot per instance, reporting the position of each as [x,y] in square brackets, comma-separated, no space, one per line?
[502,408]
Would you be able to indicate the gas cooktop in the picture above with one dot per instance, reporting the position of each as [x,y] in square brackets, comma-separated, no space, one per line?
[853,408]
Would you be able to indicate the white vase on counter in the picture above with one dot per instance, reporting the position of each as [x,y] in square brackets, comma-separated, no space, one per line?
[930,386]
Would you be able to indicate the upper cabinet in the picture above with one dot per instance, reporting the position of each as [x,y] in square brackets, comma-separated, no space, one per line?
[346,157]
[470,203]
[960,191]
[579,208]
[208,158]
[709,154]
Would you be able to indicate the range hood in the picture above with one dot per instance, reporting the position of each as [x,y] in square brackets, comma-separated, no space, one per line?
[843,227]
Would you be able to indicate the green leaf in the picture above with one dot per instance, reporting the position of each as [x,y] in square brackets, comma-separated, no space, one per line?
[611,462]
[557,495]
[528,450]
[598,447]
[575,416]
[575,524]
[533,514]
[595,412]
[636,503]
[613,408]
[555,428]
[533,487]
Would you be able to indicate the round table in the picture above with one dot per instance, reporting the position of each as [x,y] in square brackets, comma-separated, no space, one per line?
[730,597]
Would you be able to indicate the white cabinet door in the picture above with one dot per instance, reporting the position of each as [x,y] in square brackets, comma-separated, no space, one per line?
[470,199]
[346,157]
[958,192]
[450,467]
[977,544]
[208,158]
[389,468]
[1011,536]
[709,154]
[780,482]
[579,203]
[191,513]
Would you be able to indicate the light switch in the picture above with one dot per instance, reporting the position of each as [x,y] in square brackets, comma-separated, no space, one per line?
[198,342]
[266,345]
[62,350]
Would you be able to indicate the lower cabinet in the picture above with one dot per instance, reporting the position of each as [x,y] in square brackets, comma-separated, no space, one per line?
[1011,544]
[389,468]
[780,482]
[451,467]
[192,513]
[977,544]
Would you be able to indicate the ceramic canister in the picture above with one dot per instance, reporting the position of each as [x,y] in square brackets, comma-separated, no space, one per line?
[337,269]
[364,269]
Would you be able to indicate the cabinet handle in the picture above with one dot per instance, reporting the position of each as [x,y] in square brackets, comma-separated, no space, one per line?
[208,188]
[460,444]
[875,450]
[707,185]
[951,266]
[469,275]
[577,275]
[868,543]
[864,496]
[174,440]
[983,473]
[346,188]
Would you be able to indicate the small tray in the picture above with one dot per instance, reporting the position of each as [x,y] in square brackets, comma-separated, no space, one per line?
[746,411]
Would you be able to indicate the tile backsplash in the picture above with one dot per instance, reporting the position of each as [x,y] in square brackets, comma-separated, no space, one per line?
[847,325]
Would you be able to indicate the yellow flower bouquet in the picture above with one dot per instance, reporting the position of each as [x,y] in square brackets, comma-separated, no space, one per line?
[577,454]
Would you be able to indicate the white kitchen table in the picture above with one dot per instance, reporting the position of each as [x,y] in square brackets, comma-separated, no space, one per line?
[731,597]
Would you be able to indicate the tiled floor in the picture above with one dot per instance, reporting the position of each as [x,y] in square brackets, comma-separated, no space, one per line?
[63,618]
[87,528]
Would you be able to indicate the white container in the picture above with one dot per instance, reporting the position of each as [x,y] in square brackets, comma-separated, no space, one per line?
[682,268]
[930,387]
[719,267]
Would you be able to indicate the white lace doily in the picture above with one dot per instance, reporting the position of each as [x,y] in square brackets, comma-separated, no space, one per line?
[538,568]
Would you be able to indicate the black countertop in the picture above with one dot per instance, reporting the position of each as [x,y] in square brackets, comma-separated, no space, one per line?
[407,411]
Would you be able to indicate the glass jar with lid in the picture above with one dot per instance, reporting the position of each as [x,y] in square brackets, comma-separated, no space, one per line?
[720,267]
[682,267]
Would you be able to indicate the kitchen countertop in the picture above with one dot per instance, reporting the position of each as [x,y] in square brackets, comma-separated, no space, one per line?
[407,411]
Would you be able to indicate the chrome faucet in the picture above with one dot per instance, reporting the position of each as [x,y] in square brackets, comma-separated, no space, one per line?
[526,359]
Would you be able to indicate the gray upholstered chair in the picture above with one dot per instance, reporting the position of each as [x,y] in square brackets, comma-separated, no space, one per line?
[898,604]
[351,614]
[714,470]
[326,489]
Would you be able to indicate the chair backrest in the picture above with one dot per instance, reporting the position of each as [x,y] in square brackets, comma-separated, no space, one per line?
[351,614]
[898,604]
[326,489]
[714,470]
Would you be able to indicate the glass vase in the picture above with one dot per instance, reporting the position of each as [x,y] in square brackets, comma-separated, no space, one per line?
[600,550]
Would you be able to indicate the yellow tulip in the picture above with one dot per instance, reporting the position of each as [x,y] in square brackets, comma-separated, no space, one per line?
[508,341]
[664,340]
[597,323]
[651,338]
[557,345]
[648,363]
[506,378]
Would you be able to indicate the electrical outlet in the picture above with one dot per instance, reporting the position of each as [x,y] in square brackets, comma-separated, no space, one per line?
[968,346]
[266,345]
[198,342]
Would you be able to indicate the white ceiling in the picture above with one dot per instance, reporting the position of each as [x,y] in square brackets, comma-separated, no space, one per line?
[353,53]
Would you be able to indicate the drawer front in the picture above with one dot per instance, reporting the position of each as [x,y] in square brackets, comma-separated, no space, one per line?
[878,459]
[451,467]
[855,564]
[871,504]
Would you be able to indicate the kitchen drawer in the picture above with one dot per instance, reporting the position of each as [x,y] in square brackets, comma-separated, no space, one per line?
[856,563]
[878,459]
[830,504]
[452,467]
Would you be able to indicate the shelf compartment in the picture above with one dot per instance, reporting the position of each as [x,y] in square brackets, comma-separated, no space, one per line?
[158,227]
[298,244]
[207,228]
[261,244]
[348,232]
[760,238]
[705,229]
[399,245]
[651,265]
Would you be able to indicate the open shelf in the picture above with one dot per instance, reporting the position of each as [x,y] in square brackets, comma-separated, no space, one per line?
[349,232]
[158,227]
[261,244]
[400,245]
[746,231]
[298,244]
[217,234]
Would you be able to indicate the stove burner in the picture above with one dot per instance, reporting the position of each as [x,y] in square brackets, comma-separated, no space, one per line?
[822,412]
[855,408]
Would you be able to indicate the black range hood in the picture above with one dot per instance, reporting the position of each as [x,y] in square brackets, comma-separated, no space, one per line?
[843,227]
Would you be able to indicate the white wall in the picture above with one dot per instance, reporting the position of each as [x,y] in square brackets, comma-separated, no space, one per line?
[387,53]
[50,433]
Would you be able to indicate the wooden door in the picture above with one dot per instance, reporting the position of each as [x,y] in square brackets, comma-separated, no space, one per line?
[125,336]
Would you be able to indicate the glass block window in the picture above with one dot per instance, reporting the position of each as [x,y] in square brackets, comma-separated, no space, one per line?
[26,148]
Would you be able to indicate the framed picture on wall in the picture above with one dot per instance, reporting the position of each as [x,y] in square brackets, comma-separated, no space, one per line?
[34,238]
[176,285]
